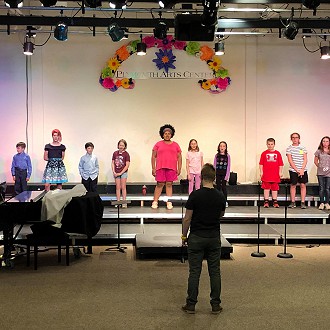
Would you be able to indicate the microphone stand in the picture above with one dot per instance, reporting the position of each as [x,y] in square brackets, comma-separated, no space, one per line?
[285,254]
[183,248]
[118,247]
[258,254]
[175,199]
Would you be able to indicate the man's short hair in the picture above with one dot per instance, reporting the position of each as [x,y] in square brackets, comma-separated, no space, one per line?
[208,172]
[89,144]
[21,144]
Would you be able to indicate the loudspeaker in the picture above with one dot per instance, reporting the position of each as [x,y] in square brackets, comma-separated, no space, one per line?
[189,28]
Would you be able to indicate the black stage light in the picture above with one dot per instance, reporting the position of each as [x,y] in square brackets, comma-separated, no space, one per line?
[210,12]
[209,18]
[48,3]
[160,30]
[118,4]
[311,4]
[93,3]
[291,30]
[325,52]
[219,48]
[14,3]
[115,32]
[166,3]
[141,48]
[28,47]
[61,32]
[189,28]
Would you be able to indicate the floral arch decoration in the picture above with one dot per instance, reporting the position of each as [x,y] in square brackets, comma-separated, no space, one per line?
[165,61]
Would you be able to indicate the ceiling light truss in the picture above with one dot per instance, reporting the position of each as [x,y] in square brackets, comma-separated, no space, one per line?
[228,24]
[264,19]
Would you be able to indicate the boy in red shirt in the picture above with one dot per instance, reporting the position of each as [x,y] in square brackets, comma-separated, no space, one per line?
[271,166]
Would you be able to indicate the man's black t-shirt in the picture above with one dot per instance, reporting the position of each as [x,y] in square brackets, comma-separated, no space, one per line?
[207,205]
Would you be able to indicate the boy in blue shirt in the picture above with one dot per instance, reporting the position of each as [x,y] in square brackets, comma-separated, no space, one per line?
[21,168]
[89,168]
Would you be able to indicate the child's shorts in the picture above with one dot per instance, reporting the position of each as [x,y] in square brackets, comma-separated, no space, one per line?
[166,175]
[273,186]
[123,176]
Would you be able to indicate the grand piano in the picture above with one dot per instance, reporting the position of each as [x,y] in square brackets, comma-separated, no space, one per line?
[83,215]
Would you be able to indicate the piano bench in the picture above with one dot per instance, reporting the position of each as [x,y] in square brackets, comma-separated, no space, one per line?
[36,240]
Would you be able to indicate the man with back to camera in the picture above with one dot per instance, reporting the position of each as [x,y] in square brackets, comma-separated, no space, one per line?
[204,209]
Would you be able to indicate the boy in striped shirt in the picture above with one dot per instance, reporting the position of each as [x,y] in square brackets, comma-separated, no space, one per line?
[297,157]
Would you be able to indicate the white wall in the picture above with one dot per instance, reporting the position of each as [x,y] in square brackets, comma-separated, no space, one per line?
[277,88]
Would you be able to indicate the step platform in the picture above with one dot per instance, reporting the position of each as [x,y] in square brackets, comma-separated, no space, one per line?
[164,240]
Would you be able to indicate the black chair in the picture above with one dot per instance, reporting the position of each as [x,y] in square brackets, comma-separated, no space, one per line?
[44,234]
[3,186]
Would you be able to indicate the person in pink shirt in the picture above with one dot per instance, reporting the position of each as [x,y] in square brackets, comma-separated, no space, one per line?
[166,162]
[194,163]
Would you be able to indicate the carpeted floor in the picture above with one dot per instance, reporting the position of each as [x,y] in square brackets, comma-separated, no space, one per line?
[112,290]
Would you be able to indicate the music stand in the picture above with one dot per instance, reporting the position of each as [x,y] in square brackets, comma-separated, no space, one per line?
[285,254]
[118,247]
[258,254]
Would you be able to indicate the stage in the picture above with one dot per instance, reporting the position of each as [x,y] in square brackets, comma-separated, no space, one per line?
[156,232]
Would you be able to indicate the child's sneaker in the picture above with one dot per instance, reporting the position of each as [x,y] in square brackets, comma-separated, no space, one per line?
[321,207]
[303,205]
[275,203]
[292,205]
[169,205]
[327,206]
[124,206]
[154,205]
[266,204]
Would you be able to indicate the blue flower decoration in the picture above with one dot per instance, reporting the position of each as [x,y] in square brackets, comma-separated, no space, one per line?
[165,59]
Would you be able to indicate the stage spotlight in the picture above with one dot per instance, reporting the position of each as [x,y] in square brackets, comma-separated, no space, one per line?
[28,47]
[219,48]
[209,18]
[166,3]
[141,48]
[14,3]
[115,32]
[291,30]
[61,32]
[210,12]
[311,4]
[160,30]
[118,4]
[325,52]
[93,3]
[48,3]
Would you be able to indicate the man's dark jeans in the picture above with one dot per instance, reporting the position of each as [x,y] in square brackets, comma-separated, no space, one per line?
[210,249]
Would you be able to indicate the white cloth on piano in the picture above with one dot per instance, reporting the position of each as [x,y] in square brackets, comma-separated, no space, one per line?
[55,201]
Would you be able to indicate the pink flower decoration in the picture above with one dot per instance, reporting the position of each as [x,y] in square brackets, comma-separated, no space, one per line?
[150,41]
[165,43]
[132,85]
[180,44]
[222,83]
[108,83]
